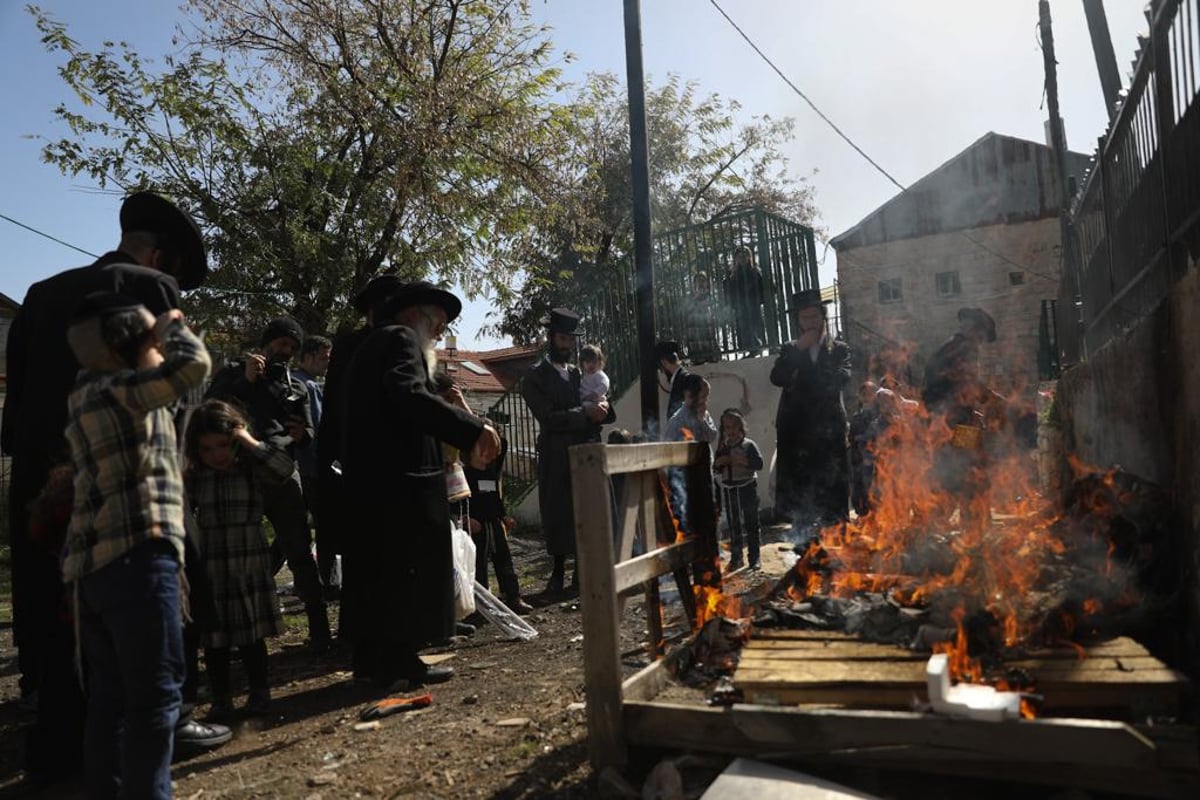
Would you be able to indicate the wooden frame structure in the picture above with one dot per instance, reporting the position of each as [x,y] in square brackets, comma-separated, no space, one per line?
[1106,755]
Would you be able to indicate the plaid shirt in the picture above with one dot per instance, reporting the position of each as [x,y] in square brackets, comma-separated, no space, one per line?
[123,447]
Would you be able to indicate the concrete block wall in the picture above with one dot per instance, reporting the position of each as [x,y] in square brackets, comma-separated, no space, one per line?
[922,320]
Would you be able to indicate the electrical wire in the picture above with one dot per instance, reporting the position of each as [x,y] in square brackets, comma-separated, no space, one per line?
[46,235]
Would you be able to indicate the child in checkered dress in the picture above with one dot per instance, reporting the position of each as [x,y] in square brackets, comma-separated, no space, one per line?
[226,469]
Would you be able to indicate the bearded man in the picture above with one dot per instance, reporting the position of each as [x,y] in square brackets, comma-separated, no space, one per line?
[812,486]
[398,568]
[551,390]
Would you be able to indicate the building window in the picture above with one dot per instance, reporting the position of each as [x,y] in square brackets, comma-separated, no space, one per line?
[1016,278]
[889,291]
[948,284]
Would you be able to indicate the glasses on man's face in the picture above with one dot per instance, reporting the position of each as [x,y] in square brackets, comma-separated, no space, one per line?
[437,327]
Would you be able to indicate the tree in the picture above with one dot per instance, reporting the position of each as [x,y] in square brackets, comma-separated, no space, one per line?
[323,141]
[702,164]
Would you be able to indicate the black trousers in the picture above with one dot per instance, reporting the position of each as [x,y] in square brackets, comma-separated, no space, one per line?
[284,507]
[492,542]
[741,514]
[37,587]
[254,659]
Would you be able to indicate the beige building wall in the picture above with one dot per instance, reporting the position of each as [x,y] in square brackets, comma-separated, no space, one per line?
[985,260]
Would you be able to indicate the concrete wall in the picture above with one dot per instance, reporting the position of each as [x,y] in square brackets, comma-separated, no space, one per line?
[922,320]
[1136,403]
[743,384]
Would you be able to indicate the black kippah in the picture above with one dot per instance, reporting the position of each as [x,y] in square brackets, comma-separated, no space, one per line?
[104,304]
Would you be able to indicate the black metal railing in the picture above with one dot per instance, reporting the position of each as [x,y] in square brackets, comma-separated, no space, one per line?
[1139,210]
[784,252]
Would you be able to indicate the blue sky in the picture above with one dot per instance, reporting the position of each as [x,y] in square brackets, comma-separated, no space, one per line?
[912,83]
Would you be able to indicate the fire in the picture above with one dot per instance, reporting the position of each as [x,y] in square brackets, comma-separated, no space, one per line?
[688,436]
[984,545]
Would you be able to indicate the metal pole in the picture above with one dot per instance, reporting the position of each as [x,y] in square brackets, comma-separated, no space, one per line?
[1106,60]
[1058,144]
[639,154]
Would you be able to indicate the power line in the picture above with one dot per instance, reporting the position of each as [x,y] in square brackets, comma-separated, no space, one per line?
[804,97]
[46,235]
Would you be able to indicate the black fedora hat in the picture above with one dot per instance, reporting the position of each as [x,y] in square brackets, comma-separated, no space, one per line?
[980,318]
[147,211]
[562,320]
[667,348]
[807,298]
[422,293]
[378,289]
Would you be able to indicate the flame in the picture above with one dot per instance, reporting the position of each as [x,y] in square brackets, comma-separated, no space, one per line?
[688,436]
[986,546]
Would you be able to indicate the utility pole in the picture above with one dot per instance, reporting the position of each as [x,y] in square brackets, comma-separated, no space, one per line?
[639,153]
[1106,59]
[1059,146]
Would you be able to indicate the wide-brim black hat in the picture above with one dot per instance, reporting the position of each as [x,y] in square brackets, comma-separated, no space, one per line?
[378,289]
[562,320]
[981,318]
[808,298]
[668,349]
[424,293]
[147,211]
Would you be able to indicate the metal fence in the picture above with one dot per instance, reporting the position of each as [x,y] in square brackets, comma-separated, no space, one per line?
[784,252]
[1136,218]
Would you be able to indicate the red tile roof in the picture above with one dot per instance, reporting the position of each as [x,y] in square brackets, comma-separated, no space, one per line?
[468,379]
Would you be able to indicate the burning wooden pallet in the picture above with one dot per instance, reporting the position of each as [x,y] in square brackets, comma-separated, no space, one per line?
[1117,678]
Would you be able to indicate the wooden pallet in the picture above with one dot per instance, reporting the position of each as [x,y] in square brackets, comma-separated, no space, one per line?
[788,667]
[815,667]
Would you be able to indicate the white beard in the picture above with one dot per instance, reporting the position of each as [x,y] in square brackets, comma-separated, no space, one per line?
[428,346]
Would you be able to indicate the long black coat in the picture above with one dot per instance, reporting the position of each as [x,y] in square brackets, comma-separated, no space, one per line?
[398,569]
[811,466]
[562,423]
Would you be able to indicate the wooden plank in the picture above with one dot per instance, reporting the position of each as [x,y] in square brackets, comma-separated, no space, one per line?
[794,673]
[1036,667]
[649,566]
[748,729]
[621,459]
[654,621]
[601,642]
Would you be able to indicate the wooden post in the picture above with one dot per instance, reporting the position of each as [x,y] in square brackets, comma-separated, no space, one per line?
[598,599]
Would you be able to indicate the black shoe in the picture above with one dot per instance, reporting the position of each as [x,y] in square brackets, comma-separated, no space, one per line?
[518,605]
[201,735]
[418,675]
[464,629]
[555,584]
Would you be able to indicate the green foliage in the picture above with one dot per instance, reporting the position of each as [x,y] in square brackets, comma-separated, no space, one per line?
[322,141]
[702,164]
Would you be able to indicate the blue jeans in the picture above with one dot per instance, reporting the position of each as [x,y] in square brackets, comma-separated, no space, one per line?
[133,644]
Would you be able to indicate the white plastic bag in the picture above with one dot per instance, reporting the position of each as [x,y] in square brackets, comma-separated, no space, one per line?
[464,571]
[500,615]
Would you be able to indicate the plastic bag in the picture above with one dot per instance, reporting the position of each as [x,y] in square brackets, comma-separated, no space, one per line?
[464,571]
[500,615]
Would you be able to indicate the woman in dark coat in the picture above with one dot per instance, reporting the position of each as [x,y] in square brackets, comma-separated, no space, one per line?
[811,463]
[551,390]
[744,295]
[398,582]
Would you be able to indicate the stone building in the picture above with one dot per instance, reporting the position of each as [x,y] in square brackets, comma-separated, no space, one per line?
[980,230]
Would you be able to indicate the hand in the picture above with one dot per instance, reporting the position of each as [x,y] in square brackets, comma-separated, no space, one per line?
[509,523]
[487,446]
[808,339]
[454,397]
[738,459]
[296,429]
[473,526]
[256,365]
[164,321]
[243,438]
[597,413]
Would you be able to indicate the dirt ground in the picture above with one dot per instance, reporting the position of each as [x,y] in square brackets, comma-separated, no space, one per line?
[509,725]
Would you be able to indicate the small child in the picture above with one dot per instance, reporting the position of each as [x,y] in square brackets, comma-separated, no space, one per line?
[124,543]
[227,468]
[594,384]
[692,422]
[736,467]
[489,528]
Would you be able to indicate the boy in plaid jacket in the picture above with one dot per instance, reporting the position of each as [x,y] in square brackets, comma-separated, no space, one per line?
[124,545]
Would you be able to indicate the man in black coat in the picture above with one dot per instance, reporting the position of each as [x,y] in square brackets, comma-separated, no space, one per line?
[161,250]
[811,464]
[331,490]
[276,403]
[667,353]
[397,562]
[551,390]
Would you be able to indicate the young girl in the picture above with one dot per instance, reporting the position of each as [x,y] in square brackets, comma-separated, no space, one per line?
[736,466]
[226,469]
[594,384]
